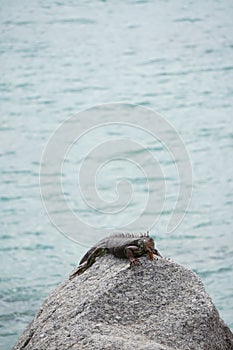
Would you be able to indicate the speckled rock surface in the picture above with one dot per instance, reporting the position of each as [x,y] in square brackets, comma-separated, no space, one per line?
[154,306]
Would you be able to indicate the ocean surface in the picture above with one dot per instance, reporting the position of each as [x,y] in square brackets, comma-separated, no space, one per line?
[58,58]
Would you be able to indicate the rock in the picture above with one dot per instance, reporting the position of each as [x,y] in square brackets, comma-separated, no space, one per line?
[156,305]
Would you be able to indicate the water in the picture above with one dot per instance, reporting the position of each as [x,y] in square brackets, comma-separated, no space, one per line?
[58,58]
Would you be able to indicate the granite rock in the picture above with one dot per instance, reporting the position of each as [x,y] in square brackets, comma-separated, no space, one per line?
[156,305]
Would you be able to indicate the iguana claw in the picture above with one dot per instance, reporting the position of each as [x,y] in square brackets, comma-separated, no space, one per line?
[134,261]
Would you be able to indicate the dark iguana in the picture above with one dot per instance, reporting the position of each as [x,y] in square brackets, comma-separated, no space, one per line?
[129,246]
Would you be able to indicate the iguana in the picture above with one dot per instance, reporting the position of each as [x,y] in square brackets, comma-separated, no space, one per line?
[129,246]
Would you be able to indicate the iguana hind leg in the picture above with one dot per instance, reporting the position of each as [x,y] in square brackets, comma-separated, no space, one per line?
[96,253]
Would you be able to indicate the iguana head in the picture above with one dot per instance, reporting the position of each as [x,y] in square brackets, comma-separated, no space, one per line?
[148,245]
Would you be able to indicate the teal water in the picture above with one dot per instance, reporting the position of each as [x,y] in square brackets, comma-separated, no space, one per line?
[58,58]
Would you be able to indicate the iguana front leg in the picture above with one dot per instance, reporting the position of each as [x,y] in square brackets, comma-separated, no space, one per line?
[129,253]
[156,252]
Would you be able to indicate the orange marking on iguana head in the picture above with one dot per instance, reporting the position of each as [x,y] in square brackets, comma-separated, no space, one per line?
[149,244]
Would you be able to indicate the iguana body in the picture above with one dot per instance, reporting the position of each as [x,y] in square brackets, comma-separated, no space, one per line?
[129,246]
